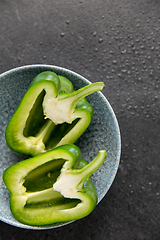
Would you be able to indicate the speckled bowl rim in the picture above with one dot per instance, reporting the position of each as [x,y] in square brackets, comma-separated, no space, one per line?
[117,130]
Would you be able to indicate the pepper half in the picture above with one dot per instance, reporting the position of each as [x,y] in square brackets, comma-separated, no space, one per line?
[50,114]
[53,187]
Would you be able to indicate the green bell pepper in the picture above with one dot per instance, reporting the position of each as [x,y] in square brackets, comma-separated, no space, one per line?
[50,114]
[52,187]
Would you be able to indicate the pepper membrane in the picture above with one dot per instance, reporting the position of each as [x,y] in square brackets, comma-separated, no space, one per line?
[50,114]
[53,187]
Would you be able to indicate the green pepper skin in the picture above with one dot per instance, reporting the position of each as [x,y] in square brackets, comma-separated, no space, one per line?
[31,183]
[62,84]
[50,114]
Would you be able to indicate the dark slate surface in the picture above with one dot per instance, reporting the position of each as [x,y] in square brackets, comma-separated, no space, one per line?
[117,42]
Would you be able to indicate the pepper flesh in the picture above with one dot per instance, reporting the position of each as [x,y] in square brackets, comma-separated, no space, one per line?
[37,195]
[50,114]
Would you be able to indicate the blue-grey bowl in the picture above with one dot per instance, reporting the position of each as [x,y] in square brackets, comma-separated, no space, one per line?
[103,132]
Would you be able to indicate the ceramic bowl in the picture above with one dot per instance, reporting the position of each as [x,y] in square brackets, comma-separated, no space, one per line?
[103,132]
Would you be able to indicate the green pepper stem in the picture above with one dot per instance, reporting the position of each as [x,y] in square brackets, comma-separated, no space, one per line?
[90,168]
[76,96]
[64,105]
[71,181]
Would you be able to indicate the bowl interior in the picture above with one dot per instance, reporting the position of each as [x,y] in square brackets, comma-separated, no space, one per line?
[103,132]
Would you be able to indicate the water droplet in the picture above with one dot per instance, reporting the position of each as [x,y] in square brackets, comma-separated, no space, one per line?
[100,40]
[62,34]
[111,52]
[123,51]
[142,47]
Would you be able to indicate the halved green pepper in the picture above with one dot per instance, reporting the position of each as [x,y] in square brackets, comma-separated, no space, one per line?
[50,114]
[52,187]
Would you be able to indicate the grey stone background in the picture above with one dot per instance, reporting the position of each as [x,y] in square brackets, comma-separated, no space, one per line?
[117,42]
